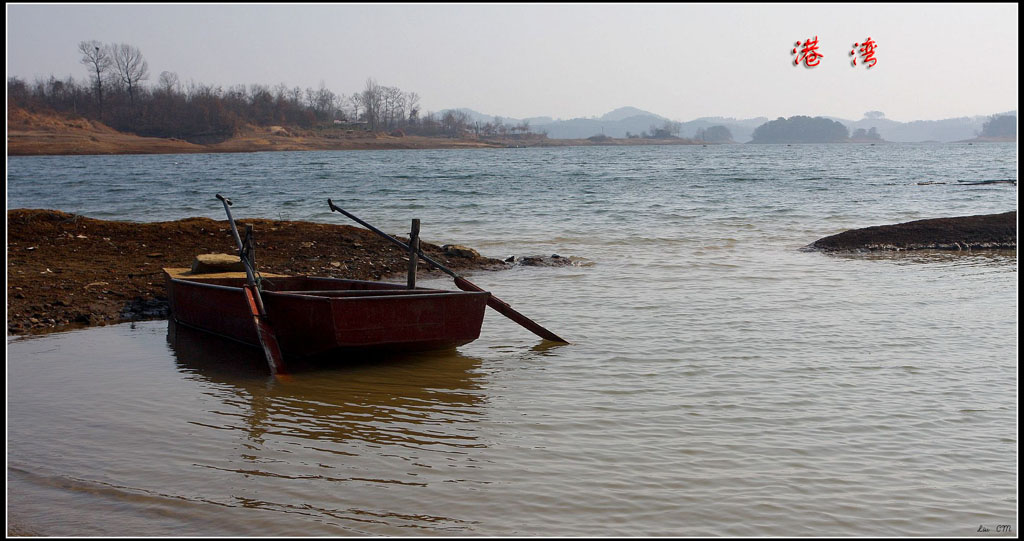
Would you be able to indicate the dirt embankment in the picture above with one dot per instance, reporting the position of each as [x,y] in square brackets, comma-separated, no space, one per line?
[987,231]
[48,133]
[65,270]
[30,134]
[43,133]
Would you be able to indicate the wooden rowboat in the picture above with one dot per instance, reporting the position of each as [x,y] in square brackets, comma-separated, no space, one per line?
[317,316]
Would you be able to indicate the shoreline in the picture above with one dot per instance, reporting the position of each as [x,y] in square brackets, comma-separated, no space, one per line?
[36,143]
[44,144]
[67,271]
[31,133]
[47,134]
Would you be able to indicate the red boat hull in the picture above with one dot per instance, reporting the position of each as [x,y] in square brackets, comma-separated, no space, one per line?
[314,316]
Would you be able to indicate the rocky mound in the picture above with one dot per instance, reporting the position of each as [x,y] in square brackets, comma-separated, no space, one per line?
[987,231]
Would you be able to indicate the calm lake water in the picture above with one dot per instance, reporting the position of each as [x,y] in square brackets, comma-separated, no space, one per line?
[720,381]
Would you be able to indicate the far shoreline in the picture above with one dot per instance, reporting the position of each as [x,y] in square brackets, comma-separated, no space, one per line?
[22,143]
[73,138]
[42,133]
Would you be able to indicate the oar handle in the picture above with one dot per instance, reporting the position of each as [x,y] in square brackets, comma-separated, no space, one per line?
[265,333]
[250,275]
[231,222]
[397,242]
[494,302]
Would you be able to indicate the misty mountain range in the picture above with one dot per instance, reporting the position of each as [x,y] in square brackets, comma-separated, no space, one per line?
[630,120]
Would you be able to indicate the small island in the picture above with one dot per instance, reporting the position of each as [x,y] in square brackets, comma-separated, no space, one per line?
[801,129]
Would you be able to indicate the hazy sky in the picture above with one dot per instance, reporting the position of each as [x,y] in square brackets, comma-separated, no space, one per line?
[682,61]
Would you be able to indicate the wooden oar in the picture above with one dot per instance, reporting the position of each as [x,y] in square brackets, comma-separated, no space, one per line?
[494,302]
[255,302]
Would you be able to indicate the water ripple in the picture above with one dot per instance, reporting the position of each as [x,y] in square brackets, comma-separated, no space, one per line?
[720,381]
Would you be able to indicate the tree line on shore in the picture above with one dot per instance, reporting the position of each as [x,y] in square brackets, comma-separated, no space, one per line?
[999,126]
[116,94]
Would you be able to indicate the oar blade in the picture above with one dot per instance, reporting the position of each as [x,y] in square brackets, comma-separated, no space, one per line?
[504,309]
[268,340]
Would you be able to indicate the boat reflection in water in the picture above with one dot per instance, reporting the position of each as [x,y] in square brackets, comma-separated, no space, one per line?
[413,399]
[364,447]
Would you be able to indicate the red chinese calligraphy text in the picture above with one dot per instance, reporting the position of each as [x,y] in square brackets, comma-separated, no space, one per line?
[809,54]
[867,52]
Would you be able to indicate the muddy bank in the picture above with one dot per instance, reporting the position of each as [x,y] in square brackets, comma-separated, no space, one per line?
[65,270]
[981,232]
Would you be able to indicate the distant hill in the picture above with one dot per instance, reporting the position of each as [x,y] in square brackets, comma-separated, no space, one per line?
[620,123]
[741,130]
[631,120]
[475,116]
[946,130]
[581,128]
[623,113]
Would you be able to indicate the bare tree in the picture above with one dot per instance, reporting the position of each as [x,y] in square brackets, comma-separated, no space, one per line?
[372,101]
[131,67]
[261,104]
[356,101]
[325,102]
[169,82]
[395,100]
[666,131]
[454,122]
[340,104]
[413,99]
[430,124]
[385,106]
[448,122]
[281,92]
[97,57]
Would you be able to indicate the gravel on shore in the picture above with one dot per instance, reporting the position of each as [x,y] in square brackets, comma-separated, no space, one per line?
[66,270]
